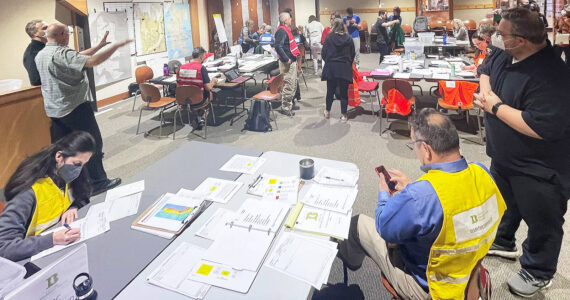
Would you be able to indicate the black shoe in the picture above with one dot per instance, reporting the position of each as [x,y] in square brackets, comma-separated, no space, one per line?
[504,252]
[106,185]
[295,107]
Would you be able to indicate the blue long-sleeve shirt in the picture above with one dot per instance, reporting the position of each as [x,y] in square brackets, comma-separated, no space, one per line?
[412,219]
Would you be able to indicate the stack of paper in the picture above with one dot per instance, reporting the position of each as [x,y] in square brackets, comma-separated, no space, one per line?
[218,190]
[422,72]
[339,199]
[216,224]
[332,176]
[243,164]
[124,201]
[279,188]
[94,224]
[244,242]
[303,258]
[319,221]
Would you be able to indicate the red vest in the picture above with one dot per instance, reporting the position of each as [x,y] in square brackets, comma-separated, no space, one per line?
[292,44]
[190,74]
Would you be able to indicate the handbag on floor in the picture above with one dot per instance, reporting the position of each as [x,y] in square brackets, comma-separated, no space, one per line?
[258,117]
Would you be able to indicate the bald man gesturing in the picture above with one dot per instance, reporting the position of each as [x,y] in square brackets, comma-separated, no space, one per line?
[65,89]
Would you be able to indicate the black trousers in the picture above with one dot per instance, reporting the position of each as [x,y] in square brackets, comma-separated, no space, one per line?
[383,49]
[332,84]
[542,206]
[82,118]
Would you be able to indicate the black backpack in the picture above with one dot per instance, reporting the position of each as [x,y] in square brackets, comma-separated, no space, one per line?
[258,117]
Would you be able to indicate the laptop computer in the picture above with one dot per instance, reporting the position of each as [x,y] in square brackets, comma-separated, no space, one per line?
[234,77]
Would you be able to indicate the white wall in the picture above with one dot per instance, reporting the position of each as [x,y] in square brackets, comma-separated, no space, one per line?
[14,15]
[303,9]
[471,14]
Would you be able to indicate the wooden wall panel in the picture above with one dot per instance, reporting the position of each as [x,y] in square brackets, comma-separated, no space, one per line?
[213,7]
[195,23]
[267,13]
[237,19]
[252,6]
[283,4]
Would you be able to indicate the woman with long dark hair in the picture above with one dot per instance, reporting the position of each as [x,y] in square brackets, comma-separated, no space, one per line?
[47,187]
[338,53]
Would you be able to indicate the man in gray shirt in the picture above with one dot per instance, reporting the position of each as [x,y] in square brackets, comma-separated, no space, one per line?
[65,89]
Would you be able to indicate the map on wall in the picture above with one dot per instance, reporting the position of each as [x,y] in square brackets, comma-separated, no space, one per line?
[149,28]
[178,31]
[118,66]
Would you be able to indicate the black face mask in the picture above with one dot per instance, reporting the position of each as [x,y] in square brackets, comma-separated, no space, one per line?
[69,172]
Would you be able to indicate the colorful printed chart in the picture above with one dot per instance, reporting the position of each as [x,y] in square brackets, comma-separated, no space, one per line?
[174,212]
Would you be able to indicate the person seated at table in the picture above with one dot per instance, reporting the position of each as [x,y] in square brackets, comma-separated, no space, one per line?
[246,39]
[267,38]
[194,73]
[260,31]
[428,237]
[460,31]
[481,45]
[46,188]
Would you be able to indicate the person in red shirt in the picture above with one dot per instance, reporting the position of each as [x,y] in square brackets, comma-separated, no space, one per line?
[327,30]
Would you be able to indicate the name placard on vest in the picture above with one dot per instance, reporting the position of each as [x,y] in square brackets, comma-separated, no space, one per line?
[188,73]
[56,280]
[476,221]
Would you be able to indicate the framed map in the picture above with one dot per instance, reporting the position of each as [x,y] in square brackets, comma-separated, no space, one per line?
[177,29]
[149,28]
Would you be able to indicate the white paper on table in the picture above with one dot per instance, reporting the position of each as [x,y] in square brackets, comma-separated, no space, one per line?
[302,258]
[440,76]
[218,190]
[189,197]
[439,63]
[212,228]
[279,188]
[267,48]
[261,215]
[94,224]
[243,164]
[174,272]
[324,222]
[335,198]
[125,190]
[170,212]
[223,276]
[402,75]
[332,176]
[465,74]
[172,78]
[421,71]
[123,207]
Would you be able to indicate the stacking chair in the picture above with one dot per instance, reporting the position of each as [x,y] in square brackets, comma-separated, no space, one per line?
[153,101]
[142,74]
[190,97]
[369,87]
[273,94]
[387,104]
[486,20]
[459,97]
[407,30]
[300,63]
[173,66]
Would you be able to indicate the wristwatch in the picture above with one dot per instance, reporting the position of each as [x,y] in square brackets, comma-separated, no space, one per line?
[496,107]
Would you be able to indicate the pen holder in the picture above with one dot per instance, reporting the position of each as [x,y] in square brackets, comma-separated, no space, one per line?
[307,168]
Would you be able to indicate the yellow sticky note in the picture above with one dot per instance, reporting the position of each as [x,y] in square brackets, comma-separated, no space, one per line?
[272,181]
[249,164]
[270,190]
[225,273]
[213,189]
[205,269]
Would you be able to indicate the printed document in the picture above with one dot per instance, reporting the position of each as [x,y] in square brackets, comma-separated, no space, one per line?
[123,201]
[243,164]
[174,272]
[125,190]
[218,190]
[303,258]
[332,176]
[170,212]
[323,222]
[222,276]
[212,228]
[335,198]
[279,188]
[94,224]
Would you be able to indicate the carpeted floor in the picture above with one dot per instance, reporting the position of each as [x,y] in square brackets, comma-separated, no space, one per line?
[308,133]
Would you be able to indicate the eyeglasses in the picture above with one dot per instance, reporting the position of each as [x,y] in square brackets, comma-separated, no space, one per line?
[498,33]
[411,144]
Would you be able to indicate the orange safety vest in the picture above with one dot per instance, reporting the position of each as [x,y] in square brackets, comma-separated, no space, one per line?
[479,60]
[457,93]
[397,103]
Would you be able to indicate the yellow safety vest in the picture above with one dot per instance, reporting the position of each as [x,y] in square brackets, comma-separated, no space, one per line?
[51,203]
[472,209]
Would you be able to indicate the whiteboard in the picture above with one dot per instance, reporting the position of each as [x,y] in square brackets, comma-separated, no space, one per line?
[127,8]
[220,28]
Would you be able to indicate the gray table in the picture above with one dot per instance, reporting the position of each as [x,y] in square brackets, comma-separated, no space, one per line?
[117,256]
[428,78]
[269,283]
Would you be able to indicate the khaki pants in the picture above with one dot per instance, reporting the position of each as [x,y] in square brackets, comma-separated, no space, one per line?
[290,86]
[356,42]
[388,259]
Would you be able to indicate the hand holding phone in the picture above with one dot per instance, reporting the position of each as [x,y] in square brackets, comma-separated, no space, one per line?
[391,185]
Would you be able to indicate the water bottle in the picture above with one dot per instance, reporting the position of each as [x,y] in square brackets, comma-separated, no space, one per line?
[166,72]
[445,37]
[452,69]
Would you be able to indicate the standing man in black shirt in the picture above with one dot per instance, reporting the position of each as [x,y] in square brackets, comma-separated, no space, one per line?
[380,27]
[524,92]
[37,30]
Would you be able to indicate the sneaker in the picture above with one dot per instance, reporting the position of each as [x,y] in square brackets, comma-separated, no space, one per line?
[504,252]
[344,118]
[327,114]
[526,285]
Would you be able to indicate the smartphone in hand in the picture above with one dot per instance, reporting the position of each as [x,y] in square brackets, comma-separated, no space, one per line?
[391,185]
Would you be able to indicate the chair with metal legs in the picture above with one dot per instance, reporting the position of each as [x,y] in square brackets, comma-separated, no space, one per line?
[273,94]
[142,74]
[153,101]
[405,88]
[191,98]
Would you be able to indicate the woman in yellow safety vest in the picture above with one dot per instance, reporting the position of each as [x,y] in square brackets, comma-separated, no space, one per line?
[46,188]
